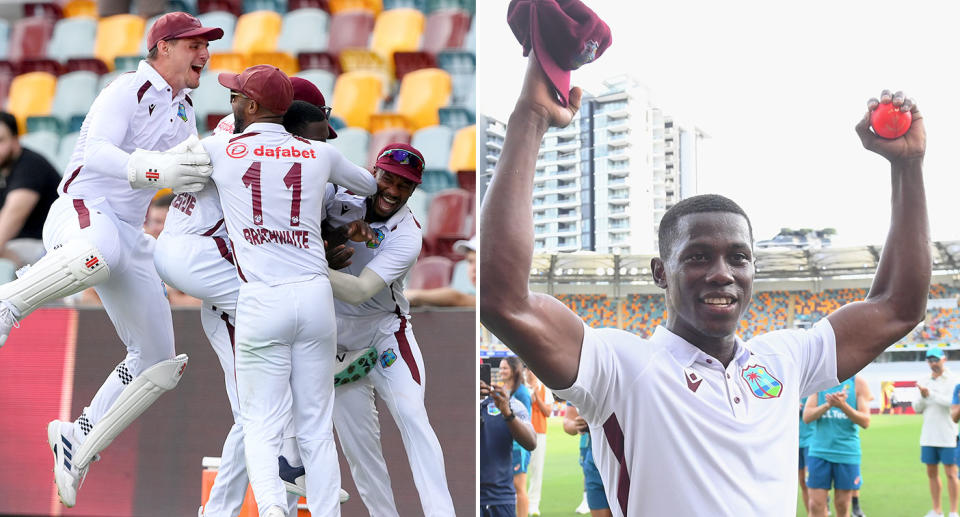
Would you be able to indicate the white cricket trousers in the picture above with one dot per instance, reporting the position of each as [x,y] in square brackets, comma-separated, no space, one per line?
[535,472]
[286,339]
[133,295]
[400,380]
[202,267]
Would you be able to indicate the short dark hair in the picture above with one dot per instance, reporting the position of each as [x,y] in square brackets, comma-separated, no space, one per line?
[299,114]
[11,122]
[694,205]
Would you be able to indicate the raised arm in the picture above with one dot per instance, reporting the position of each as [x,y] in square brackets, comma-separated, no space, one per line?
[537,327]
[897,299]
[345,173]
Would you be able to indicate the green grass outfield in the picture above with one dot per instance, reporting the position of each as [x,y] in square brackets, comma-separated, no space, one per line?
[895,483]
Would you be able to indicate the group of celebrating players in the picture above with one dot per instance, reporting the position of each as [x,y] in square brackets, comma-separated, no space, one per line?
[263,204]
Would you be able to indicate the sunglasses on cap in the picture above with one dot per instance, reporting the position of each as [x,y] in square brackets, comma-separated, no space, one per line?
[403,157]
[933,359]
[326,111]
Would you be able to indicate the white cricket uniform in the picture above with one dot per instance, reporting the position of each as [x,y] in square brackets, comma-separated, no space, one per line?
[271,187]
[676,433]
[399,377]
[137,110]
[193,254]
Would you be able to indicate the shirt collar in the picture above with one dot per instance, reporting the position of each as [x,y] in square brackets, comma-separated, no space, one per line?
[265,127]
[157,80]
[686,354]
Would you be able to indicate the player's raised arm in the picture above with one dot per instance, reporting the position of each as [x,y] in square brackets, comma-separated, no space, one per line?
[897,299]
[345,173]
[541,330]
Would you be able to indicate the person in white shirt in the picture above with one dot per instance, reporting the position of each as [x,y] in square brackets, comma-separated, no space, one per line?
[694,405]
[372,311]
[94,234]
[271,186]
[938,436]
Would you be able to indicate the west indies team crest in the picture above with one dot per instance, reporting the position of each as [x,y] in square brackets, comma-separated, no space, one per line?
[761,382]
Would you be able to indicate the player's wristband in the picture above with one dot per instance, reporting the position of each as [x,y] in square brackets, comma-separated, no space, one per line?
[511,416]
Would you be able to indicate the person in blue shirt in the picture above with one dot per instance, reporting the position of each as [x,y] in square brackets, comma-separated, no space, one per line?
[574,424]
[502,420]
[833,457]
[511,374]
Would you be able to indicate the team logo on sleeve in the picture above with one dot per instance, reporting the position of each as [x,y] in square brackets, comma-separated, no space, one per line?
[376,240]
[182,112]
[761,382]
[387,358]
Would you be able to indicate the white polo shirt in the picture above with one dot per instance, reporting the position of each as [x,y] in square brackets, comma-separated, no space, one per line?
[676,433]
[271,187]
[135,111]
[939,430]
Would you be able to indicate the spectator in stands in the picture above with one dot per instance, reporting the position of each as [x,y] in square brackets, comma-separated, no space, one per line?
[574,424]
[157,213]
[450,296]
[28,186]
[938,436]
[503,421]
[834,455]
[542,404]
[511,376]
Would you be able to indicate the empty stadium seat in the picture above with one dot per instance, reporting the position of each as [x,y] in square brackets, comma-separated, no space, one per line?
[118,35]
[356,96]
[143,40]
[430,273]
[127,63]
[106,79]
[39,65]
[304,30]
[234,7]
[89,64]
[434,143]
[80,8]
[419,5]
[456,117]
[353,142]
[46,143]
[463,153]
[224,20]
[293,5]
[227,62]
[450,219]
[461,280]
[319,61]
[257,32]
[29,38]
[406,62]
[445,29]
[435,180]
[419,204]
[381,138]
[67,143]
[74,94]
[350,29]
[421,94]
[210,96]
[363,60]
[31,94]
[250,6]
[470,41]
[397,29]
[467,180]
[4,38]
[383,121]
[47,123]
[282,60]
[372,6]
[323,80]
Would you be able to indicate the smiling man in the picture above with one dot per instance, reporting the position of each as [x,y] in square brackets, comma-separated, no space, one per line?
[693,406]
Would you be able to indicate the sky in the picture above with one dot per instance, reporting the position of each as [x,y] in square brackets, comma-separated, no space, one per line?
[778,87]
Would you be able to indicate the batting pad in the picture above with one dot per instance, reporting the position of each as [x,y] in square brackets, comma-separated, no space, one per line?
[354,365]
[66,270]
[131,403]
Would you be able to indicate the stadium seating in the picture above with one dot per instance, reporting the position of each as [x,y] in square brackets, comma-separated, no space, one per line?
[467,180]
[445,28]
[435,180]
[31,94]
[234,7]
[29,38]
[349,29]
[106,79]
[449,219]
[319,61]
[381,138]
[463,155]
[434,143]
[67,143]
[227,62]
[353,143]
[397,29]
[293,5]
[226,21]
[461,278]
[45,143]
[89,64]
[422,93]
[406,62]
[304,30]
[456,117]
[430,273]
[419,204]
[257,32]
[118,35]
[373,7]
[4,38]
[210,98]
[250,6]
[80,8]
[324,80]
[281,60]
[419,5]
[75,92]
[356,96]
[146,30]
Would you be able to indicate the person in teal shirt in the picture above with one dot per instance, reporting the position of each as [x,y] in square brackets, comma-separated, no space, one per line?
[833,457]
[511,373]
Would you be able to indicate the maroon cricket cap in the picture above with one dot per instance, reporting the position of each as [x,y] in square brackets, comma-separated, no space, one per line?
[564,35]
[180,25]
[401,159]
[266,84]
[304,90]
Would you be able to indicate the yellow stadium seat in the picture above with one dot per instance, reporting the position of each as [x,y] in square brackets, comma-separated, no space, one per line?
[31,94]
[281,60]
[118,35]
[374,6]
[357,96]
[363,60]
[422,93]
[227,62]
[257,32]
[463,154]
[384,121]
[397,30]
[74,8]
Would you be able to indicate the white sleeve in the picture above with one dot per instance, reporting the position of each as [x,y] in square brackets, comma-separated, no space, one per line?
[108,121]
[343,172]
[398,256]
[329,194]
[600,376]
[815,351]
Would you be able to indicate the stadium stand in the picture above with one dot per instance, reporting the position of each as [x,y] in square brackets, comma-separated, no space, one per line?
[305,30]
[430,273]
[72,37]
[118,35]
[257,32]
[422,93]
[356,96]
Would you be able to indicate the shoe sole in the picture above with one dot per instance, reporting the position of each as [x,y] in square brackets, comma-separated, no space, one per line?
[53,439]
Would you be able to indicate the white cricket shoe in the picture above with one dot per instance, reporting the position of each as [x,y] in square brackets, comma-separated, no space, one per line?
[67,476]
[8,321]
[583,509]
[932,513]
[275,511]
[294,480]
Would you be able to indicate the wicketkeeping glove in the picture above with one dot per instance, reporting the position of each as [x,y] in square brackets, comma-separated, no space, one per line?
[184,168]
